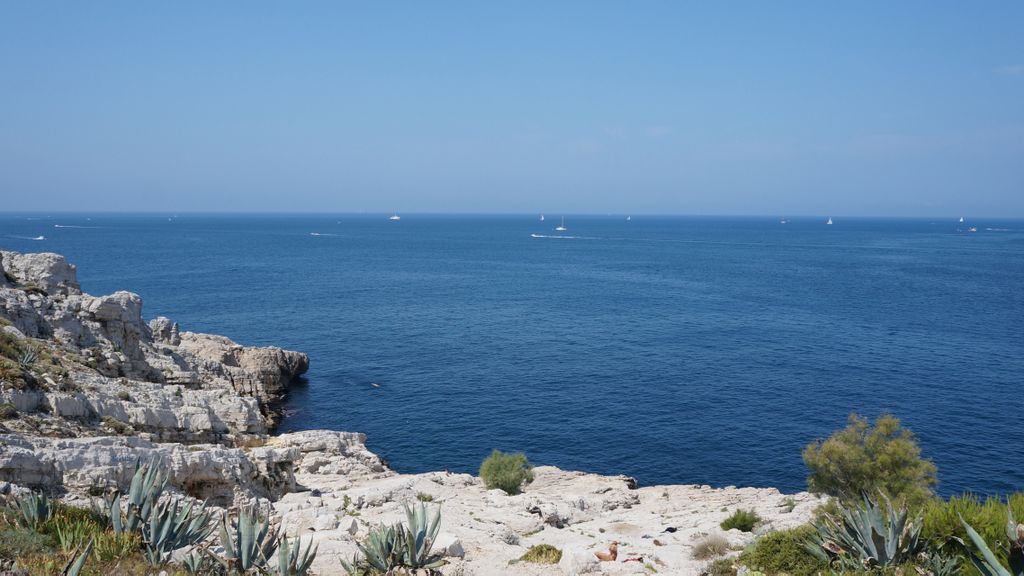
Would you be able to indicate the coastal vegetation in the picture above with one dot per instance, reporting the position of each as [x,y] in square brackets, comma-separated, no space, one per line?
[508,472]
[742,520]
[542,554]
[135,533]
[884,517]
[399,548]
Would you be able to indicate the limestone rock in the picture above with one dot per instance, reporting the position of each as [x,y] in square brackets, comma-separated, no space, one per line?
[576,560]
[46,270]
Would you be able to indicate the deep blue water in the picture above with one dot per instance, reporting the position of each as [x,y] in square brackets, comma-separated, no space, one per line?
[675,350]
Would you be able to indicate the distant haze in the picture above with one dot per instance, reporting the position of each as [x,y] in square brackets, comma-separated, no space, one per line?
[781,108]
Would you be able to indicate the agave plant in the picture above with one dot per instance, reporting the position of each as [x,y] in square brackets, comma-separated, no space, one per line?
[388,548]
[74,567]
[988,564]
[147,485]
[27,358]
[867,536]
[33,510]
[196,562]
[172,526]
[292,560]
[254,541]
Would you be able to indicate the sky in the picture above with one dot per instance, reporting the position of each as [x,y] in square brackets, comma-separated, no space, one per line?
[910,108]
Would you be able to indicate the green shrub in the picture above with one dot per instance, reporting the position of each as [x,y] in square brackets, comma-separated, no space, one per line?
[118,427]
[424,497]
[710,546]
[506,471]
[124,396]
[7,410]
[783,552]
[721,567]
[742,520]
[988,518]
[542,554]
[21,542]
[863,459]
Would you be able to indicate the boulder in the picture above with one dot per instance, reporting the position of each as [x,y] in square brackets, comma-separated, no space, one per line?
[576,560]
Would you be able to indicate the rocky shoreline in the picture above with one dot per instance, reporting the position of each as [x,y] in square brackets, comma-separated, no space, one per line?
[88,389]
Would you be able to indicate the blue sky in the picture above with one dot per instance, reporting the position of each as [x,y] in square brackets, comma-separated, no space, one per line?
[775,108]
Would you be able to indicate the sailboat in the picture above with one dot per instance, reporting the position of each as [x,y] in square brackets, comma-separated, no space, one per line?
[541,217]
[829,221]
[961,219]
[395,217]
[628,218]
[561,227]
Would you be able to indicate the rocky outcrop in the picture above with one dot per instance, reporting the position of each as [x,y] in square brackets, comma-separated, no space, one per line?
[46,270]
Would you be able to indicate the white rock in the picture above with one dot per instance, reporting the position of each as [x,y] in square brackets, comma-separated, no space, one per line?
[450,544]
[577,560]
[325,522]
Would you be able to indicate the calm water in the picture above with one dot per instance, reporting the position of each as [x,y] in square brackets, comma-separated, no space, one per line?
[696,350]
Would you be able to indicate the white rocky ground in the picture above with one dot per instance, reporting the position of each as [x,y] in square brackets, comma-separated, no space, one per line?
[203,405]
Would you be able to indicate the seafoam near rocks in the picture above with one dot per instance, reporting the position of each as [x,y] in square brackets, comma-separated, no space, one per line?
[115,391]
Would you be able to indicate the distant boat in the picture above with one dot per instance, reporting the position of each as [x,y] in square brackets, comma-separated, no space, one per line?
[628,218]
[395,217]
[961,219]
[972,229]
[541,217]
[783,221]
[40,238]
[829,221]
[561,227]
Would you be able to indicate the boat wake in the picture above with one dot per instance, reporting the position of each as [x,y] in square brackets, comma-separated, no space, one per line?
[72,226]
[321,234]
[29,237]
[557,236]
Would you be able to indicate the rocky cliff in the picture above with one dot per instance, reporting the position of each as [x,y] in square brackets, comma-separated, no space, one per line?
[88,389]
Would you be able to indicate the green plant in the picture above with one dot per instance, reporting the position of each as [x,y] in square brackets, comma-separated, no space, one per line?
[74,567]
[18,543]
[171,526]
[72,534]
[784,551]
[710,546]
[124,396]
[424,497]
[33,510]
[109,545]
[988,563]
[147,485]
[721,567]
[292,560]
[867,536]
[118,427]
[28,358]
[199,563]
[8,410]
[863,459]
[254,541]
[788,504]
[987,517]
[508,472]
[387,549]
[742,520]
[542,554]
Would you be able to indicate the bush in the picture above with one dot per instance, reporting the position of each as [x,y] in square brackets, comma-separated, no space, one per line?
[742,520]
[21,542]
[721,567]
[7,410]
[542,554]
[783,552]
[118,427]
[710,546]
[988,518]
[506,471]
[862,459]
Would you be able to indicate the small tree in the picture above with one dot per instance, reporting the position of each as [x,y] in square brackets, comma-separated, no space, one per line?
[861,459]
[506,471]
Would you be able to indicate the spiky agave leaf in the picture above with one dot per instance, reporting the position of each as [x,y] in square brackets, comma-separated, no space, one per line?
[172,526]
[867,537]
[253,543]
[292,560]
[33,510]
[74,567]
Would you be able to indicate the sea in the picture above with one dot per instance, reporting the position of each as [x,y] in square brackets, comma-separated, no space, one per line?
[698,350]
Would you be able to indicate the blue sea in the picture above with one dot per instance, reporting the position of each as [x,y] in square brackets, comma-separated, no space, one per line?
[675,350]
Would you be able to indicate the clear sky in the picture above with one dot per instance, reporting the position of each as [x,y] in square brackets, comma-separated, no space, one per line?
[776,108]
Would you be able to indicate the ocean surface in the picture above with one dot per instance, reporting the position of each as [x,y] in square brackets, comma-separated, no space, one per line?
[674,350]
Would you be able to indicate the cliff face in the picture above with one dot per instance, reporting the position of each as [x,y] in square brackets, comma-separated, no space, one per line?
[88,389]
